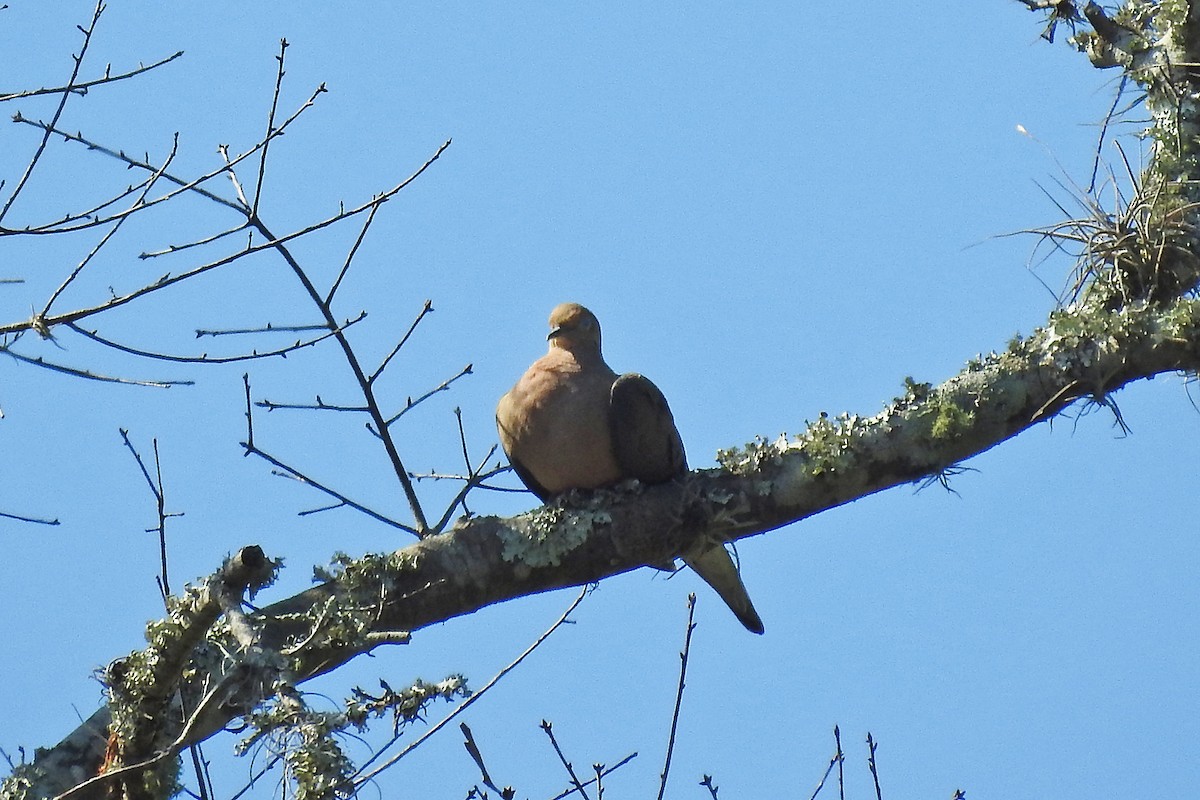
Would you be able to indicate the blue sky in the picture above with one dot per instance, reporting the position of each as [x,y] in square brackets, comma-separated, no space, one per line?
[775,211]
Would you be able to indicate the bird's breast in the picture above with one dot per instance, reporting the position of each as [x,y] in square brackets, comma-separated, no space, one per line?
[555,422]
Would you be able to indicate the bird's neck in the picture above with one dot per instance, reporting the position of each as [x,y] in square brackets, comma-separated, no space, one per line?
[584,356]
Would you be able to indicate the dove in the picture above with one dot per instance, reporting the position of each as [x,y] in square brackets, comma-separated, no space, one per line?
[571,422]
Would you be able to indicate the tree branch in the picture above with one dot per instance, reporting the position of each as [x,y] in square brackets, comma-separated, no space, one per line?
[1081,354]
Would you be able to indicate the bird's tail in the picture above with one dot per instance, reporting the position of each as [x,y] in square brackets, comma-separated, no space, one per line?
[712,563]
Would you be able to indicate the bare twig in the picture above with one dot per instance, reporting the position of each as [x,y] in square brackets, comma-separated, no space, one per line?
[58,112]
[1108,118]
[171,249]
[250,448]
[422,526]
[477,757]
[205,358]
[362,234]
[841,762]
[93,214]
[605,771]
[156,489]
[441,387]
[835,761]
[262,161]
[111,231]
[34,520]
[683,659]
[549,730]
[426,309]
[360,778]
[872,745]
[270,328]
[286,471]
[91,376]
[474,479]
[243,201]
[82,87]
[193,185]
[320,405]
[270,765]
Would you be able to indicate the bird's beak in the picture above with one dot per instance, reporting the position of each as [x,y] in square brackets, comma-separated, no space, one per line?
[554,333]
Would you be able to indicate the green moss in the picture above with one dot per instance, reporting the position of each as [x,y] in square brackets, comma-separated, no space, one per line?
[951,421]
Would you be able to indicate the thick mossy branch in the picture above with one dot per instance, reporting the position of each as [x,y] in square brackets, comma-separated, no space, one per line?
[764,485]
[142,686]
[1081,354]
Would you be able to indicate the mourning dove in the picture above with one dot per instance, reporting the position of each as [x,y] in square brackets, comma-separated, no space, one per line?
[572,423]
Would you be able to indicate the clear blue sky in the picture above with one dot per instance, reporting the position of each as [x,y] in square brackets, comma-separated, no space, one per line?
[775,211]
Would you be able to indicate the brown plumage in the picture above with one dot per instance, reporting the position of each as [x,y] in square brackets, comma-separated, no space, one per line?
[570,422]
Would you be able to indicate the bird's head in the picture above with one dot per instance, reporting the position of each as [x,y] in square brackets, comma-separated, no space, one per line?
[573,327]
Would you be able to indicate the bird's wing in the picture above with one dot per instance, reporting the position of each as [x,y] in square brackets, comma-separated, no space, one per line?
[530,482]
[646,442]
[648,447]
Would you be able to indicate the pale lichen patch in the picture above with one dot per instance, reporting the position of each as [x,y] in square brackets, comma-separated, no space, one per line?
[542,538]
[792,482]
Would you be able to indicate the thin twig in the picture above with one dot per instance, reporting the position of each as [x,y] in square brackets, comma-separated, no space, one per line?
[320,405]
[359,778]
[477,757]
[58,112]
[454,476]
[410,404]
[262,161]
[683,659]
[92,214]
[156,488]
[171,249]
[183,185]
[34,520]
[250,448]
[841,759]
[872,745]
[249,414]
[548,728]
[426,309]
[271,242]
[111,231]
[237,185]
[351,356]
[286,471]
[836,760]
[462,439]
[271,328]
[1108,118]
[270,765]
[200,767]
[606,771]
[362,234]
[205,358]
[473,480]
[91,376]
[82,87]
